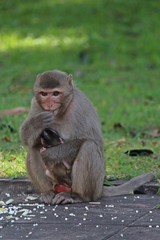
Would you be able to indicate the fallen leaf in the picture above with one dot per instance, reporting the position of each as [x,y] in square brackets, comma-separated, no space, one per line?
[118,126]
[2,203]
[121,141]
[155,132]
[9,201]
[3,210]
[31,198]
[7,139]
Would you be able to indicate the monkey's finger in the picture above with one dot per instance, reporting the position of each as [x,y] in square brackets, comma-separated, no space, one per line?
[67,201]
[66,165]
[42,149]
[57,199]
[47,197]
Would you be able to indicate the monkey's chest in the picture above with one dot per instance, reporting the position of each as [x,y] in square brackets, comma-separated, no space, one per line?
[66,132]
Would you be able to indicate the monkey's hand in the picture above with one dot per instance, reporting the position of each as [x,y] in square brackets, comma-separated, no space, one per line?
[47,197]
[43,120]
[42,149]
[32,127]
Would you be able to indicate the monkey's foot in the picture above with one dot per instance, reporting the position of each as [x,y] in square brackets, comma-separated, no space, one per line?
[47,197]
[65,198]
[62,198]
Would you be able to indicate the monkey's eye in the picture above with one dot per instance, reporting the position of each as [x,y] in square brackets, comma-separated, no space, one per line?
[44,94]
[56,93]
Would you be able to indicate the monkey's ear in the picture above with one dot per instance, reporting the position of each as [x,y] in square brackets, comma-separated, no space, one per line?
[70,79]
[38,76]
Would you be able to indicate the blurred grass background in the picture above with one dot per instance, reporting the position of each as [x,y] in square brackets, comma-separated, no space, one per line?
[112,49]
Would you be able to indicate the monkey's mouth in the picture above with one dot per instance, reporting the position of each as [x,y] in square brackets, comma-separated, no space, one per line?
[53,109]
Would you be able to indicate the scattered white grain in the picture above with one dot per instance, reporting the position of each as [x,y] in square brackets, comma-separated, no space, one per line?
[84,219]
[110,206]
[100,215]
[157,226]
[150,212]
[25,212]
[66,219]
[122,221]
[137,211]
[151,220]
[66,208]
[44,217]
[113,218]
[95,203]
[86,208]
[39,205]
[8,194]
[136,197]
[97,226]
[121,234]
[72,214]
[35,224]
[150,226]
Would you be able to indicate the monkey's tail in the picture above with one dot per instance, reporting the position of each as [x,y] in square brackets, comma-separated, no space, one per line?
[128,187]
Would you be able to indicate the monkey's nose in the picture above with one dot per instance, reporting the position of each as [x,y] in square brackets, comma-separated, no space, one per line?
[51,107]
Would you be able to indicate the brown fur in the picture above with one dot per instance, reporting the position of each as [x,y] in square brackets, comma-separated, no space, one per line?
[76,118]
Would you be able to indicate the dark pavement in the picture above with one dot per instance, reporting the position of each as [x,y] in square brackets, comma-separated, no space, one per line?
[135,217]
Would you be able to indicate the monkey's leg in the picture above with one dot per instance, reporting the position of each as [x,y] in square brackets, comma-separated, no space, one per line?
[87,176]
[41,183]
[37,173]
[88,172]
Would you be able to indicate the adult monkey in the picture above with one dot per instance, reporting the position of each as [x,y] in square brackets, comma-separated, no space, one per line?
[57,104]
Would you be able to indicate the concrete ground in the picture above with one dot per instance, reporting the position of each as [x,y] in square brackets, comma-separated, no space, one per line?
[130,217]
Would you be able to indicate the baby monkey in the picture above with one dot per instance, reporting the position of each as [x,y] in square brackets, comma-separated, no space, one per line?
[50,138]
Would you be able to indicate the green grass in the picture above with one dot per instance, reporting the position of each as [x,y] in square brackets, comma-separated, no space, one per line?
[111,48]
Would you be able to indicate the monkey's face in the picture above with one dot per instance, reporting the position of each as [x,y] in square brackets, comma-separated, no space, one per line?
[50,99]
[53,90]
